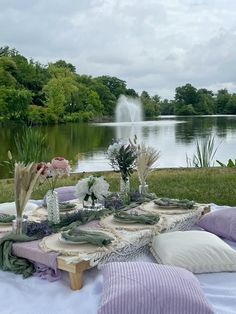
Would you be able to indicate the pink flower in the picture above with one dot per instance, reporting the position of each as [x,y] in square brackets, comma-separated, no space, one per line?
[60,163]
[41,166]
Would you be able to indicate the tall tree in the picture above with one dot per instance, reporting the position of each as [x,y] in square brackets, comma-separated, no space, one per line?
[64,64]
[14,103]
[116,86]
[231,105]
[222,99]
[108,100]
[184,96]
[28,74]
[60,88]
[131,92]
[167,107]
[8,71]
[151,105]
[206,103]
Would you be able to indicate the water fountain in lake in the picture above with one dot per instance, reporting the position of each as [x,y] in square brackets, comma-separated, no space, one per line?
[129,116]
[128,109]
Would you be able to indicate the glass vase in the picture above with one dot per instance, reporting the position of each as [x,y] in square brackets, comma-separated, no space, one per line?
[53,206]
[143,189]
[19,226]
[124,185]
[91,204]
[125,190]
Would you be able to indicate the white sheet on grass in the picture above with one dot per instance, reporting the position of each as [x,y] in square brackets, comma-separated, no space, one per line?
[36,296]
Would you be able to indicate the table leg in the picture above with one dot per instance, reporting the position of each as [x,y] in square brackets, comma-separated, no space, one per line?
[75,271]
[76,280]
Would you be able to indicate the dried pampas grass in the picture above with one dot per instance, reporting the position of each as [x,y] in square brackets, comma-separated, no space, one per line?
[25,179]
[146,158]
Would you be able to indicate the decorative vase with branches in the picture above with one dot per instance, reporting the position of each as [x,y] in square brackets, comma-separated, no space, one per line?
[122,158]
[146,158]
[51,172]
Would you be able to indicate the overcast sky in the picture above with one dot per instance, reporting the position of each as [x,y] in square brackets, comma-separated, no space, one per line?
[154,45]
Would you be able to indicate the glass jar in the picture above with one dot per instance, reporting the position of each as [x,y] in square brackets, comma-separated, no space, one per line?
[92,204]
[143,189]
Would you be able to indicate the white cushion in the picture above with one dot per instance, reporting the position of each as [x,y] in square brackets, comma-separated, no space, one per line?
[197,251]
[10,208]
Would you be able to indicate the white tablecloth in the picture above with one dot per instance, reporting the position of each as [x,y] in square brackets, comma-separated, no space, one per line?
[36,296]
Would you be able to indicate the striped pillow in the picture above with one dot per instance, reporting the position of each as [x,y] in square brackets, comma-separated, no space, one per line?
[148,288]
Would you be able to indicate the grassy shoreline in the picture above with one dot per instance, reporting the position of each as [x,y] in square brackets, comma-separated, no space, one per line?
[205,185]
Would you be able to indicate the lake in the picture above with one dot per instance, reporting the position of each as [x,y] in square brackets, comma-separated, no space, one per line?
[86,144]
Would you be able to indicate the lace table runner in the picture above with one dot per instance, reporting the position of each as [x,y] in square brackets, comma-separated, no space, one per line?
[130,239]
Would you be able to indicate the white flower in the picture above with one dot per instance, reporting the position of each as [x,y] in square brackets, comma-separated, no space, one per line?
[82,188]
[113,150]
[92,186]
[100,188]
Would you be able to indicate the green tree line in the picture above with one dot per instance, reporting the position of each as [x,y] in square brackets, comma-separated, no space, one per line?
[41,94]
[34,93]
[192,101]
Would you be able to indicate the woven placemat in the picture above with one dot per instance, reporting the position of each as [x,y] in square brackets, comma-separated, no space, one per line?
[110,222]
[53,243]
[153,208]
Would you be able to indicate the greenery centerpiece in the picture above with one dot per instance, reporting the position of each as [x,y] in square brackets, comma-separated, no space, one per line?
[91,190]
[122,158]
[50,172]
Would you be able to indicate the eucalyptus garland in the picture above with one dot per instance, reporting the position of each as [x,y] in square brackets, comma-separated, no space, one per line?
[67,221]
[112,204]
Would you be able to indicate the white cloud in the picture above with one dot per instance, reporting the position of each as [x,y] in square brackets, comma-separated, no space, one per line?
[154,45]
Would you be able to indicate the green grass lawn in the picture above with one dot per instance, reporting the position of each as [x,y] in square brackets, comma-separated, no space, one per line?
[209,185]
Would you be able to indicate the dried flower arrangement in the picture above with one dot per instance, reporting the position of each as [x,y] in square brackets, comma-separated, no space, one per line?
[146,158]
[25,179]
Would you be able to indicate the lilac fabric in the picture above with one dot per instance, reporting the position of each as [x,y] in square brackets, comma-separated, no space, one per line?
[221,222]
[138,288]
[45,262]
[31,250]
[45,272]
[65,193]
